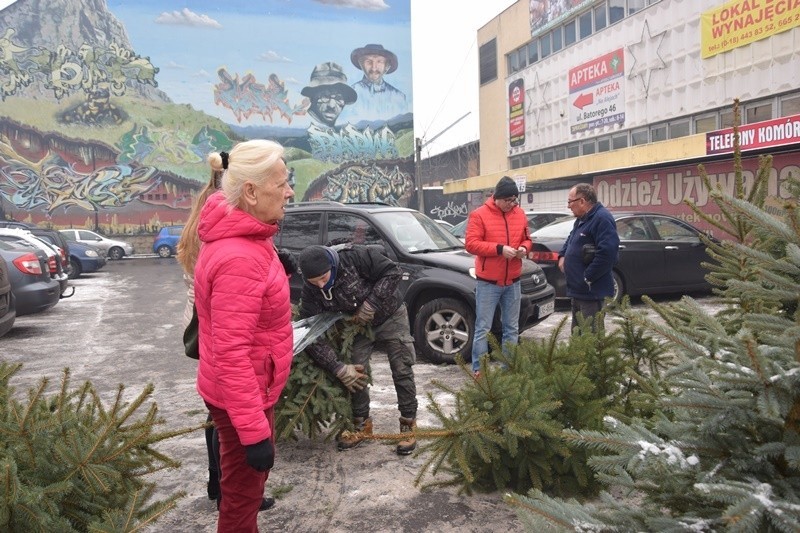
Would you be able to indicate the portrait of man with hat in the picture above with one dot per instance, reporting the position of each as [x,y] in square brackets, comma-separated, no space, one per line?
[329,93]
[377,99]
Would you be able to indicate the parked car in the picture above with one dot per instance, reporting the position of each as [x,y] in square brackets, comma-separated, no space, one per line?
[113,248]
[50,236]
[165,243]
[8,309]
[657,254]
[443,223]
[33,288]
[55,255]
[84,259]
[438,283]
[536,220]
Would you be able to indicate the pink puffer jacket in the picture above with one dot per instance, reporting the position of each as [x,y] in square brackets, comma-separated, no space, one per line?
[242,299]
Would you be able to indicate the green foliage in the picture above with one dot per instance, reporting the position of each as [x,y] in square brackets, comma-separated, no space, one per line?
[722,451]
[69,462]
[507,430]
[314,402]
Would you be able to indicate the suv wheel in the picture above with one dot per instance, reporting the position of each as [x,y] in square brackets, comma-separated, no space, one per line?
[116,253]
[164,251]
[443,329]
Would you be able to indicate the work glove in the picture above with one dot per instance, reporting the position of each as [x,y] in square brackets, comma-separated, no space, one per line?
[352,377]
[260,456]
[364,314]
[288,261]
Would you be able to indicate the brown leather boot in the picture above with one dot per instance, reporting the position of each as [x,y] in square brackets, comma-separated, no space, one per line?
[406,446]
[350,439]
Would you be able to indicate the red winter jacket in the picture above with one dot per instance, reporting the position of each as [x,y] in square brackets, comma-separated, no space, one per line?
[488,230]
[242,300]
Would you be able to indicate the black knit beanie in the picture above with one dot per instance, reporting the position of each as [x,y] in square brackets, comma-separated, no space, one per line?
[314,262]
[506,188]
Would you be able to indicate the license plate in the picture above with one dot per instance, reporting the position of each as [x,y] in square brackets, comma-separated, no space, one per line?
[546,309]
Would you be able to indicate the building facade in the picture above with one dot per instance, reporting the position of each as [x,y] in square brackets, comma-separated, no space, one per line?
[631,95]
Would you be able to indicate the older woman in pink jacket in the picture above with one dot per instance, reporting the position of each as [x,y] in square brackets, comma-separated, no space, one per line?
[245,333]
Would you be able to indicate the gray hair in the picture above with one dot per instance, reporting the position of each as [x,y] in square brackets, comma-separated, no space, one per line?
[252,161]
[586,191]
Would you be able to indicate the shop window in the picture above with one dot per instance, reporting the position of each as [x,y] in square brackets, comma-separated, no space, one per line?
[570,33]
[706,123]
[533,52]
[585,25]
[639,137]
[790,105]
[679,128]
[658,133]
[487,61]
[600,19]
[758,112]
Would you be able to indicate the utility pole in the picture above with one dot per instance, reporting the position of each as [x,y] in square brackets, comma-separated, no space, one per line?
[418,146]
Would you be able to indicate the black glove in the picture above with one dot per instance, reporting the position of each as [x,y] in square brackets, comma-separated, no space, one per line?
[288,261]
[260,456]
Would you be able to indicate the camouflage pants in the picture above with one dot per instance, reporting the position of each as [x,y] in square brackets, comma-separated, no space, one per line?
[394,337]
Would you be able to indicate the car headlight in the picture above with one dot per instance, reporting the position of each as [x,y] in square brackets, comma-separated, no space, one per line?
[472,273]
[91,253]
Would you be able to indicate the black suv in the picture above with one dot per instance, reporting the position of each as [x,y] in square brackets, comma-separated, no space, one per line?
[438,282]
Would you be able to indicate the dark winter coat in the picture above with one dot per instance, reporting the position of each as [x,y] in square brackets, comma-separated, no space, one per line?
[363,274]
[488,230]
[597,227]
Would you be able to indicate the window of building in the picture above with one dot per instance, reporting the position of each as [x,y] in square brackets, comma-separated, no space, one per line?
[488,61]
[570,32]
[588,147]
[561,153]
[548,156]
[757,112]
[544,45]
[679,128]
[513,62]
[558,39]
[600,19]
[585,25]
[616,10]
[604,144]
[639,136]
[525,160]
[705,123]
[726,119]
[573,150]
[658,133]
[515,162]
[536,158]
[790,105]
[533,52]
[619,141]
[634,6]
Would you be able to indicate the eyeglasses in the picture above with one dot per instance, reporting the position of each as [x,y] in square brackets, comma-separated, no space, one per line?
[569,202]
[510,200]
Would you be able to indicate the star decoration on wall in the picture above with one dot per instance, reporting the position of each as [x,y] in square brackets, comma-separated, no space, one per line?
[646,56]
[537,98]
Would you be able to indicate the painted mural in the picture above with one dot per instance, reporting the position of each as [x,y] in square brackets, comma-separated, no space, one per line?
[108,108]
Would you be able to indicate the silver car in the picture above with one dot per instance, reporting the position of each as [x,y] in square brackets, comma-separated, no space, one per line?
[114,249]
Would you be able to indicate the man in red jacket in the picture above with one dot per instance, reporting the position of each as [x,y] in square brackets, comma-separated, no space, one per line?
[497,234]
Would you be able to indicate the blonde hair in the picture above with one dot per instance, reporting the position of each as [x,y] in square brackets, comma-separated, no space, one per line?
[252,161]
[189,244]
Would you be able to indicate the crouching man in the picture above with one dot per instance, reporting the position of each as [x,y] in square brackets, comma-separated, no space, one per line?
[361,281]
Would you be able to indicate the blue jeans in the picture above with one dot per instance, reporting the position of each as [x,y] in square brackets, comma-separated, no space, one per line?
[487,297]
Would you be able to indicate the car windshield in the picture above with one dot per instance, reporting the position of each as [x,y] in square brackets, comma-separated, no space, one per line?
[415,232]
[460,229]
[559,228]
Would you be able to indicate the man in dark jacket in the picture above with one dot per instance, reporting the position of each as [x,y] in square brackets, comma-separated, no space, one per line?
[588,273]
[362,281]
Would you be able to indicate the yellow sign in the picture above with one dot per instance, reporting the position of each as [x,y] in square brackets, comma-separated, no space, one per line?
[742,22]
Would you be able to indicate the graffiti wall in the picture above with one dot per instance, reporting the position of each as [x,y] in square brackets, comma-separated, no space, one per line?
[109,108]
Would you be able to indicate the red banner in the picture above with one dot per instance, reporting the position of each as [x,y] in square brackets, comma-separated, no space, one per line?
[778,132]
